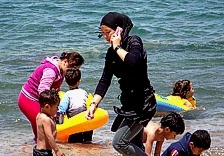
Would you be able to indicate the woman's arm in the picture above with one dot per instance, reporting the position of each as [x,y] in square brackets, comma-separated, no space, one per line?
[136,52]
[116,41]
[47,80]
[102,86]
[93,106]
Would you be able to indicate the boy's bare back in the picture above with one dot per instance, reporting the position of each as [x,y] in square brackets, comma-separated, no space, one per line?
[171,125]
[46,131]
[153,133]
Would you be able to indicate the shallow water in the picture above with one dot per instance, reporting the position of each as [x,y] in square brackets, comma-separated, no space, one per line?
[184,40]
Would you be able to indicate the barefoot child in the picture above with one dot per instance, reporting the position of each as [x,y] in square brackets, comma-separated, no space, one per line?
[171,125]
[46,129]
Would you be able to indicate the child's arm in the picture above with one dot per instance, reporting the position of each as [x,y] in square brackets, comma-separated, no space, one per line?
[158,148]
[47,127]
[148,144]
[64,103]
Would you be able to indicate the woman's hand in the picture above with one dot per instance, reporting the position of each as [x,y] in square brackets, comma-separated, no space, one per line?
[93,106]
[90,112]
[116,39]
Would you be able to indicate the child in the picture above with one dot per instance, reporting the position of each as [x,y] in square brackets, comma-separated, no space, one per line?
[183,90]
[171,125]
[48,75]
[74,102]
[190,144]
[46,129]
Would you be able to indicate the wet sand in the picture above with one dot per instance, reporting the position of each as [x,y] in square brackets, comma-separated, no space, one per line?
[101,149]
[19,142]
[78,150]
[104,148]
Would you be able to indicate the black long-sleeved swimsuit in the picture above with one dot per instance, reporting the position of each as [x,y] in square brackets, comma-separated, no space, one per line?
[137,98]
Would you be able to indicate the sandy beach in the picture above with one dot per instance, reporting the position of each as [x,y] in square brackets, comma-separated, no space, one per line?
[183,40]
[102,138]
[102,149]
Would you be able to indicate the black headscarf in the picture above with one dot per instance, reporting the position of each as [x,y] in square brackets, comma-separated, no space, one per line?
[114,19]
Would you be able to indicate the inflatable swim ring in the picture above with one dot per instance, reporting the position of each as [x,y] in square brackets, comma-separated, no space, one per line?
[166,104]
[79,123]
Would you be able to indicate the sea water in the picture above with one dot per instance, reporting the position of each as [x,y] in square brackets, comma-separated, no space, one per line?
[183,39]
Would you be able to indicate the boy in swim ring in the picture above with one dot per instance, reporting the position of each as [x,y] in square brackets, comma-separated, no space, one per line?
[46,129]
[171,125]
[183,91]
[190,144]
[74,102]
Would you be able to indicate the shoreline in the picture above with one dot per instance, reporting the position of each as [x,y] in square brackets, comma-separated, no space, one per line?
[99,149]
[20,142]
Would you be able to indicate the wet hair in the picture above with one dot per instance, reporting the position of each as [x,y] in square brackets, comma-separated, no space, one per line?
[74,59]
[181,88]
[174,121]
[201,139]
[72,76]
[50,97]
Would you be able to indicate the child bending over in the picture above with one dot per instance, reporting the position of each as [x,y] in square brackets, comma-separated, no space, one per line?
[190,144]
[74,102]
[171,125]
[46,129]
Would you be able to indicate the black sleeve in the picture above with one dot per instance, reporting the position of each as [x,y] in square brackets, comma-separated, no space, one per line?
[135,51]
[106,77]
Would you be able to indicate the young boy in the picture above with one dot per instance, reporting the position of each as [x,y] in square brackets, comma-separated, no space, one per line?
[46,129]
[190,144]
[171,125]
[74,102]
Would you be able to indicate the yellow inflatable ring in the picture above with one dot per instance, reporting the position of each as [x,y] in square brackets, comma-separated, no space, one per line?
[166,104]
[79,123]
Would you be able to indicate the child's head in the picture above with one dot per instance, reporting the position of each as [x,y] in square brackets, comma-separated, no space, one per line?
[49,101]
[72,77]
[200,141]
[71,60]
[183,88]
[173,125]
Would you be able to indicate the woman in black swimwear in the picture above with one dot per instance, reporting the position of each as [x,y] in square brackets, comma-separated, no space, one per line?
[127,60]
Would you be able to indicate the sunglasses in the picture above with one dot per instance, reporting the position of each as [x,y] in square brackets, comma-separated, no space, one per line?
[99,34]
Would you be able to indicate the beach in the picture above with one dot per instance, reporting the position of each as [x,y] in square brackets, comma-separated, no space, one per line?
[101,146]
[183,40]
